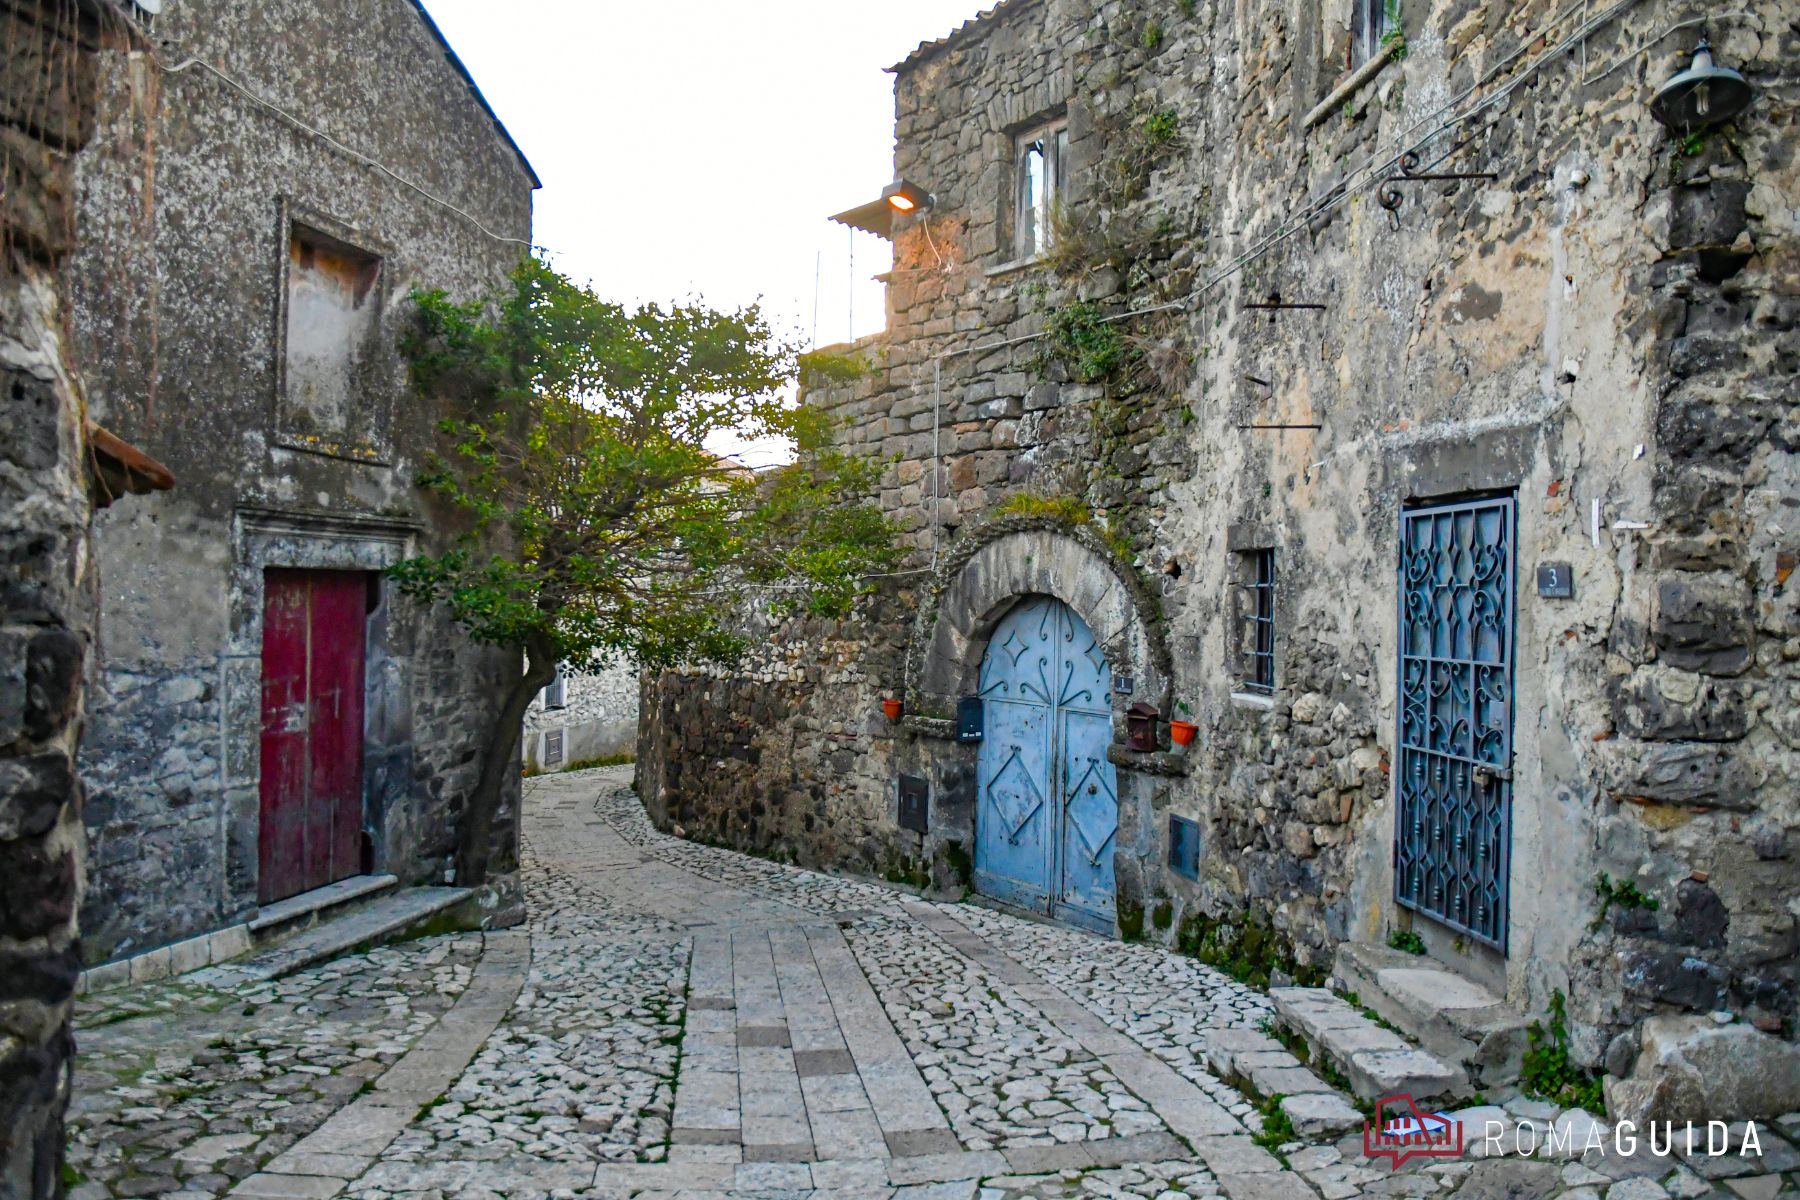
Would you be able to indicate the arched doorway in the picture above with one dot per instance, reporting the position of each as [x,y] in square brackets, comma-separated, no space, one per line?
[1047,810]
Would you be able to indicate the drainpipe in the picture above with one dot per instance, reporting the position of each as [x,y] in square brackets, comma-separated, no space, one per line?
[937,450]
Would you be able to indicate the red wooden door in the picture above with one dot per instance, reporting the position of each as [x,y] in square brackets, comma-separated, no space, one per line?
[312,729]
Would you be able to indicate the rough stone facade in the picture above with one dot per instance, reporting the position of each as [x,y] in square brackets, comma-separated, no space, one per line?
[286,412]
[1604,331]
[598,718]
[49,106]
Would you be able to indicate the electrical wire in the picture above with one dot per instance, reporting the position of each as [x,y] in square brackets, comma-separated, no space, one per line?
[1709,18]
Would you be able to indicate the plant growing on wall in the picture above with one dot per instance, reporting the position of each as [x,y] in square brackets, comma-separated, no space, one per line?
[603,526]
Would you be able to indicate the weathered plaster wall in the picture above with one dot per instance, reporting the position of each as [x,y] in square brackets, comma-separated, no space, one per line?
[173,756]
[1611,319]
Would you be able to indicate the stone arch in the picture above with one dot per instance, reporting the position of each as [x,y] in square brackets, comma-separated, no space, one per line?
[1017,557]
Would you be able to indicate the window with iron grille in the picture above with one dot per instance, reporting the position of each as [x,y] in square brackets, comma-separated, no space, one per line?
[1256,621]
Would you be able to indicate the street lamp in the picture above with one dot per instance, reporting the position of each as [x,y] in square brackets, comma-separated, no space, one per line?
[1704,94]
[905,197]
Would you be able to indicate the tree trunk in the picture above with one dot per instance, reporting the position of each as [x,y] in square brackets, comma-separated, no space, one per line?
[475,845]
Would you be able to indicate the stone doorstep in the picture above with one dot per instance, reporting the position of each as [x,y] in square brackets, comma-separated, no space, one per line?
[308,908]
[221,946]
[1448,1014]
[1377,1061]
[384,918]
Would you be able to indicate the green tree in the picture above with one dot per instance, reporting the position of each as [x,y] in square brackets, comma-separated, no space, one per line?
[601,527]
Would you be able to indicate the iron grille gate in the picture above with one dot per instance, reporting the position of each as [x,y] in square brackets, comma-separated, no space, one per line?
[1453,844]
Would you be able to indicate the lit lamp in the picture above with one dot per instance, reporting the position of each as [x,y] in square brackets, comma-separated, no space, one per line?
[905,197]
[1704,94]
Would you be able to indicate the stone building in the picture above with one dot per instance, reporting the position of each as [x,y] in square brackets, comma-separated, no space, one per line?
[269,716]
[56,466]
[581,718]
[1384,390]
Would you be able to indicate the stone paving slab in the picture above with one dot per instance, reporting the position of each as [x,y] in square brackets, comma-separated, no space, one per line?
[677,1022]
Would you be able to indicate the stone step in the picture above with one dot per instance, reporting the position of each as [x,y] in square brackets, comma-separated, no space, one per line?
[385,918]
[1449,1014]
[1378,1062]
[283,917]
[1314,1106]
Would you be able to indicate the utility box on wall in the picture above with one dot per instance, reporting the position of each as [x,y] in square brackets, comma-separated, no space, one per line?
[1184,847]
[969,720]
[915,804]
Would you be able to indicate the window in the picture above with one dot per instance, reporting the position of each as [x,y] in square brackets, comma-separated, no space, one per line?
[556,692]
[331,348]
[1256,621]
[1370,23]
[1040,169]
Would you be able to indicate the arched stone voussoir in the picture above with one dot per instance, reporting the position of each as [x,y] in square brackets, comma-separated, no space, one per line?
[1032,556]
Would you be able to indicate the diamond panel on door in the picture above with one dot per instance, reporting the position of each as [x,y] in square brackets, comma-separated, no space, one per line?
[1453,840]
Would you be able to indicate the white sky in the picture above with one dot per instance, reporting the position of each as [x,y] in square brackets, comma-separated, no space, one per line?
[697,147]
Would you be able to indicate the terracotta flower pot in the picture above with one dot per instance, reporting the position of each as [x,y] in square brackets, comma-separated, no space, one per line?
[892,709]
[1182,732]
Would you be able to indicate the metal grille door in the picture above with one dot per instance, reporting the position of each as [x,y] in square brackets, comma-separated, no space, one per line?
[1452,847]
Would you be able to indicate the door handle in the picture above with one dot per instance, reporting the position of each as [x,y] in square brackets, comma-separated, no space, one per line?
[1488,776]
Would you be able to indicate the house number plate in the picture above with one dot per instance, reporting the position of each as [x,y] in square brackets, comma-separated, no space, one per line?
[1556,581]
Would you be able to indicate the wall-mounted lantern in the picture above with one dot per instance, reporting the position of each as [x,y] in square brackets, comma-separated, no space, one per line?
[1141,723]
[904,196]
[1704,94]
[901,197]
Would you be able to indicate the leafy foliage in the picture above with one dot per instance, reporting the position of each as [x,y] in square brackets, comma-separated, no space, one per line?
[1407,940]
[1088,345]
[600,524]
[1394,40]
[1623,893]
[1548,1072]
[1277,1126]
[825,366]
[600,519]
[1068,510]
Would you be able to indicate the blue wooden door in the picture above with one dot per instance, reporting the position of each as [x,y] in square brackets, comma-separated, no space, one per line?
[1048,811]
[1453,838]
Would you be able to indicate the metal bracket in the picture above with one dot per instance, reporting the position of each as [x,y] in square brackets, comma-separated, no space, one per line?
[1391,197]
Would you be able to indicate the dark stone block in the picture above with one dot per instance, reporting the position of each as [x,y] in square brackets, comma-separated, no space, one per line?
[32,793]
[1700,915]
[31,413]
[46,977]
[1703,623]
[1684,773]
[37,889]
[1705,354]
[1712,215]
[1719,711]
[1672,977]
[52,682]
[1700,427]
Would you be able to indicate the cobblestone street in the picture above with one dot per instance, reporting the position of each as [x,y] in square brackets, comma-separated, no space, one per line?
[677,1020]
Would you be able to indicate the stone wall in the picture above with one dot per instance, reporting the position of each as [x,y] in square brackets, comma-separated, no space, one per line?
[48,108]
[209,374]
[598,719]
[1604,330]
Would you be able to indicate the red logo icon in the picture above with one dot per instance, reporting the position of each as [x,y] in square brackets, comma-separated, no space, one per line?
[1400,1131]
